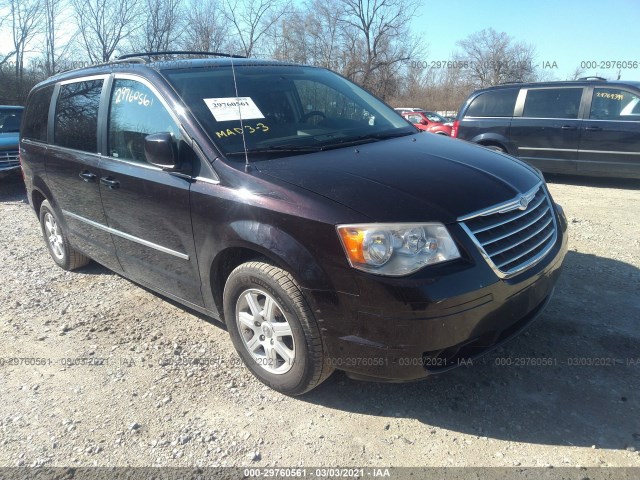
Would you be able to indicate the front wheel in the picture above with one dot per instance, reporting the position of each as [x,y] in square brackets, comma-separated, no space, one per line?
[57,242]
[273,329]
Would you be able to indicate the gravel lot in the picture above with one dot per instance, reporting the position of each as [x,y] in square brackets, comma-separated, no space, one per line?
[142,403]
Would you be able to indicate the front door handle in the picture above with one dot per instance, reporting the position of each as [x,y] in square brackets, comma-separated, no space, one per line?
[568,127]
[593,129]
[87,176]
[110,182]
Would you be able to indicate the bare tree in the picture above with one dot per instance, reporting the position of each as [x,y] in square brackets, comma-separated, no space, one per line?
[54,16]
[379,39]
[5,17]
[494,57]
[208,30]
[325,33]
[26,22]
[576,74]
[162,25]
[104,25]
[252,20]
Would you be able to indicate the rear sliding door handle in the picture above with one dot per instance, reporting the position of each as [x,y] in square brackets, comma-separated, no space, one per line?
[110,182]
[568,127]
[593,129]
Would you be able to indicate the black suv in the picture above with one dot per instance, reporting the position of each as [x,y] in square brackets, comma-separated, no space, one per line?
[297,208]
[586,127]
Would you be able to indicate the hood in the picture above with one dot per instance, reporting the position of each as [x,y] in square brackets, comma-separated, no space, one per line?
[418,178]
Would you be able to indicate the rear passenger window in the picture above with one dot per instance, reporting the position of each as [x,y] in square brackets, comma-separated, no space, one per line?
[553,103]
[36,115]
[498,103]
[614,104]
[76,124]
[135,112]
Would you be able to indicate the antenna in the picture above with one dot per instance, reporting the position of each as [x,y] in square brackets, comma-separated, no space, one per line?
[247,166]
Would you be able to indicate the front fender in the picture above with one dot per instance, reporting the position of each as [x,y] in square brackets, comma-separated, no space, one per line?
[283,249]
[496,138]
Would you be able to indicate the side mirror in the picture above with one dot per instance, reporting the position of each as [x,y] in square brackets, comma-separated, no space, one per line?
[160,150]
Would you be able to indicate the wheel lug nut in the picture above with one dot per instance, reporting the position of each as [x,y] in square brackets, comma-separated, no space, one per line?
[262,337]
[272,341]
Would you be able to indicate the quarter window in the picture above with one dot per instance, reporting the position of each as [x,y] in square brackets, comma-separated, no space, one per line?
[76,124]
[36,115]
[497,103]
[614,104]
[135,112]
[552,103]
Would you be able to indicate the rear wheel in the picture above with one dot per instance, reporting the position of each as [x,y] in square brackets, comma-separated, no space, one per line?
[273,328]
[57,243]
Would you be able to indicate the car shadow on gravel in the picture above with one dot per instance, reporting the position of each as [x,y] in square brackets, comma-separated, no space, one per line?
[588,395]
[12,189]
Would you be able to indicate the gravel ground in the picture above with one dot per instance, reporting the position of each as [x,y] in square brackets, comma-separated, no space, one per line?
[142,403]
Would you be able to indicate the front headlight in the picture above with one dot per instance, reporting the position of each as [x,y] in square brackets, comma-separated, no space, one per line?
[396,249]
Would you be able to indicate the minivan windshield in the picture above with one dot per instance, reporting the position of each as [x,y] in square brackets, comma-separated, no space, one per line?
[10,120]
[283,110]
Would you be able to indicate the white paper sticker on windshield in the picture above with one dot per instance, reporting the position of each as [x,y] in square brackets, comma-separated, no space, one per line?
[233,108]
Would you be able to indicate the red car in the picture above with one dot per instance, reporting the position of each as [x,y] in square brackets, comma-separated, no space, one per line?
[428,121]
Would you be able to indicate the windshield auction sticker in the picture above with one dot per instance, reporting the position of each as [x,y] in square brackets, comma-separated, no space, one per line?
[233,108]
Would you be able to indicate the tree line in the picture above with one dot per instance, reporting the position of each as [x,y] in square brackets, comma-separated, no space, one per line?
[367,41]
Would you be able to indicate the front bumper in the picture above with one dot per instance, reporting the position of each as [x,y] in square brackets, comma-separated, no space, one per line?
[9,163]
[402,330]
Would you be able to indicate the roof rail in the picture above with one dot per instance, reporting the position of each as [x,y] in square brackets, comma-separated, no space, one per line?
[178,52]
[593,78]
[510,82]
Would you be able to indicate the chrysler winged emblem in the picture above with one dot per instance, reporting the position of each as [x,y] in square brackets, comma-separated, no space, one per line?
[524,200]
[524,203]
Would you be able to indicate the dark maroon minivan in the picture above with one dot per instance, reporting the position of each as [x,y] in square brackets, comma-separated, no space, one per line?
[297,208]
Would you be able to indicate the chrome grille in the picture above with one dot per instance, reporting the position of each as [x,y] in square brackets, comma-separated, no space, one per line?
[513,238]
[9,158]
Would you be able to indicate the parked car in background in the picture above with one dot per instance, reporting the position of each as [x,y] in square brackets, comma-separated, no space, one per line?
[427,121]
[10,118]
[585,127]
[268,196]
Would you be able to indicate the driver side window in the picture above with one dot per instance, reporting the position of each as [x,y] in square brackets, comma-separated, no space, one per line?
[135,112]
[317,97]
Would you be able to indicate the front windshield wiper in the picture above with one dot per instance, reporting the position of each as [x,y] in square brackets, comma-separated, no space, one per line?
[367,138]
[279,149]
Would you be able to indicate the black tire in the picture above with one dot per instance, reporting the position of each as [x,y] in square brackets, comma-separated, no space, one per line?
[308,368]
[63,253]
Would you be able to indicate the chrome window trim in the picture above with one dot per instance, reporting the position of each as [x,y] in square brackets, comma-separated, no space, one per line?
[515,202]
[577,119]
[207,180]
[127,236]
[89,78]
